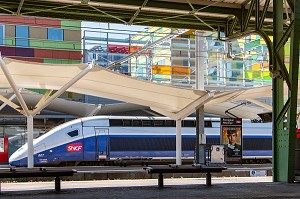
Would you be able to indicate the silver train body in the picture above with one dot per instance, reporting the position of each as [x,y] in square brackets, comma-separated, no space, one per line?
[106,138]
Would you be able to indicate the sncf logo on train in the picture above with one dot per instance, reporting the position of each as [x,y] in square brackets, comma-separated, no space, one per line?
[74,147]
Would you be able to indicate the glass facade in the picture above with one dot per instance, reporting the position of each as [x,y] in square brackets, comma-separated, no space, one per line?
[241,63]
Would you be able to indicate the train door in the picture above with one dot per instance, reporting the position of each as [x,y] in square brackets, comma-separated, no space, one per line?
[102,143]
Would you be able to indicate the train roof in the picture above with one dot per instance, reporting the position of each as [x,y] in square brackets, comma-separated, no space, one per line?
[213,119]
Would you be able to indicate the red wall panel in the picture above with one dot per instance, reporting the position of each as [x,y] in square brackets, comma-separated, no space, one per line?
[61,54]
[118,49]
[57,54]
[43,53]
[48,22]
[18,20]
[75,55]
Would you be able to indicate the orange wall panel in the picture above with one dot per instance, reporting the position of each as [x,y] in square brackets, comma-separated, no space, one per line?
[178,70]
[256,66]
[161,69]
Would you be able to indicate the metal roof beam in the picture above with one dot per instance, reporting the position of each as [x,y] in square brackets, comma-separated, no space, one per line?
[137,12]
[20,7]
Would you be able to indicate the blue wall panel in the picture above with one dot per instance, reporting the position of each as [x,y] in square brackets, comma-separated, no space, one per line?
[22,35]
[55,34]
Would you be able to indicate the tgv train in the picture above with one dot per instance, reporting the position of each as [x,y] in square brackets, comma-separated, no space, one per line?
[107,138]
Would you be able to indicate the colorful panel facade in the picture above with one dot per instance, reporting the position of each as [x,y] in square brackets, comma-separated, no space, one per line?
[37,39]
[41,40]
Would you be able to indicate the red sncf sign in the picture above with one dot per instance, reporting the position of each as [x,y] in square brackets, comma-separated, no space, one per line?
[298,133]
[74,147]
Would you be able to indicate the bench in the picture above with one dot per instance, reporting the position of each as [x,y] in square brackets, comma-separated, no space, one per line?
[36,172]
[183,169]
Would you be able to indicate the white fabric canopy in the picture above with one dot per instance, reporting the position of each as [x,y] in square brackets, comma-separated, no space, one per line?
[170,101]
[58,105]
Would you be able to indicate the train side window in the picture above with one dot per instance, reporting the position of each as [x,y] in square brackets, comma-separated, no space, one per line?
[127,122]
[158,122]
[147,122]
[208,124]
[136,123]
[189,123]
[73,133]
[170,123]
[115,122]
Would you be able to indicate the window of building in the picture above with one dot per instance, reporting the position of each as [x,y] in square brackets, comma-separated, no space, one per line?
[1,35]
[22,35]
[55,34]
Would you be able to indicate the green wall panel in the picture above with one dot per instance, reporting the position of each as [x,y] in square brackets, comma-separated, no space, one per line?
[252,44]
[10,41]
[55,44]
[52,61]
[71,46]
[57,61]
[75,25]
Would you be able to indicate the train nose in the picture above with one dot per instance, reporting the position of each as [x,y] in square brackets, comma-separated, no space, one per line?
[13,159]
[18,158]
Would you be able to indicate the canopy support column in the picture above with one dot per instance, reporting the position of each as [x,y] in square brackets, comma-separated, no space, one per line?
[30,150]
[178,142]
[14,86]
[284,135]
[200,70]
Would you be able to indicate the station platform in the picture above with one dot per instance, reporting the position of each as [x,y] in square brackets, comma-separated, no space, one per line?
[86,173]
[175,188]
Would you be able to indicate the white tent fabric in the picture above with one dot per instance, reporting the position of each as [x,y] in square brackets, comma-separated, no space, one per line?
[227,100]
[58,105]
[170,101]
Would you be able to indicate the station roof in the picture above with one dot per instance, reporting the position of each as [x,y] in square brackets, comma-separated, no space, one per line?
[170,101]
[187,14]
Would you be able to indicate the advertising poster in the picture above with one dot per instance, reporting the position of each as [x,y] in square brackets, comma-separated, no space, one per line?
[231,136]
[3,149]
[1,145]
